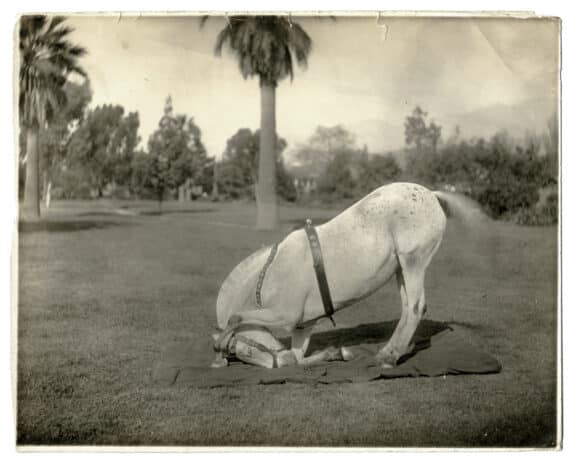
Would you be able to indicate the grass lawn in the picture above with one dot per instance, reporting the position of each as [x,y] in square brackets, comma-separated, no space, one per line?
[104,289]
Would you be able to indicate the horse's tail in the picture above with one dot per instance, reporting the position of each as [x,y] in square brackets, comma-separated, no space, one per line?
[458,206]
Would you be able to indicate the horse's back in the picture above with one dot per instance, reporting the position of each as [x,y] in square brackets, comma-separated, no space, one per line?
[409,214]
[362,244]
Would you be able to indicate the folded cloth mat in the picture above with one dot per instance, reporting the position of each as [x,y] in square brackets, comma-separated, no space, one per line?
[447,352]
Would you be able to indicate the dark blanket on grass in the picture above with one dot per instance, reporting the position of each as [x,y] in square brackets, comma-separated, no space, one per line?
[438,350]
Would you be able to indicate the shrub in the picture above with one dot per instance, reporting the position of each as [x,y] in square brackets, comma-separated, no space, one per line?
[377,170]
[234,182]
[70,184]
[285,186]
[543,215]
[353,175]
[550,209]
[504,179]
[336,182]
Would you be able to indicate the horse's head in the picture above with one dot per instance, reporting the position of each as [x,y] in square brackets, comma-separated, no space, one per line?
[224,347]
[251,344]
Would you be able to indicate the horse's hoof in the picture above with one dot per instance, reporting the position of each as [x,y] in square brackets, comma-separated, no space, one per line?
[346,354]
[385,360]
[219,362]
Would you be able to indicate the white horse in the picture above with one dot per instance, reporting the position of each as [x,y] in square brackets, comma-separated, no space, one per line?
[395,230]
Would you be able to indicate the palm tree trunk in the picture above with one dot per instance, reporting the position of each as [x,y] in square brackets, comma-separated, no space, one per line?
[267,210]
[31,204]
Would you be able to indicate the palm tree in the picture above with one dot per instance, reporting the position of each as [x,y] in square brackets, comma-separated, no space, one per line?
[266,46]
[46,60]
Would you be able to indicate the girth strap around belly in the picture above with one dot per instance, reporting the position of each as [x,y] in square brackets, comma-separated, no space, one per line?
[319,266]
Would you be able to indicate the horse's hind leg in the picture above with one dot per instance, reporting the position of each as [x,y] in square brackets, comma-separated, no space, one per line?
[411,284]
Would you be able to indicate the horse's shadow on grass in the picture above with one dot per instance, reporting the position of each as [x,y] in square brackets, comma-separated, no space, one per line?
[370,333]
[66,225]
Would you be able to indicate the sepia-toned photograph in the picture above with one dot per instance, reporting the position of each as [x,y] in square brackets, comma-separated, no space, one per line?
[287,230]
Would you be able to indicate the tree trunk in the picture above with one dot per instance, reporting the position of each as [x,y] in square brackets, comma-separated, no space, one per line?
[188,184]
[215,191]
[43,193]
[48,194]
[267,210]
[31,204]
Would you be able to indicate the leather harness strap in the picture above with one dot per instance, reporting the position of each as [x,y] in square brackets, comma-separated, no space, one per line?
[259,346]
[223,342]
[261,277]
[319,266]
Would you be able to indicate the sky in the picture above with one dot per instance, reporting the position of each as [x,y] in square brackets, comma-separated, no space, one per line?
[367,73]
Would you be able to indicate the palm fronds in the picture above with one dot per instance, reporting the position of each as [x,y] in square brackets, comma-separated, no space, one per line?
[265,46]
[46,60]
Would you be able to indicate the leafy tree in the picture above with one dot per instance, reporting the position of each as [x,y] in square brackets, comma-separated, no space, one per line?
[266,47]
[175,154]
[511,179]
[179,140]
[285,184]
[353,175]
[376,170]
[550,139]
[52,141]
[419,133]
[455,137]
[242,153]
[103,146]
[503,177]
[240,165]
[232,181]
[47,58]
[311,158]
[338,179]
[151,173]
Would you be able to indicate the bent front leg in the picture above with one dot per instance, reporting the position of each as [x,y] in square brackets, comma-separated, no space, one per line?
[268,318]
[300,339]
[288,358]
[328,354]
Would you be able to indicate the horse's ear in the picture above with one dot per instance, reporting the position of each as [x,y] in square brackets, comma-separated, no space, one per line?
[216,336]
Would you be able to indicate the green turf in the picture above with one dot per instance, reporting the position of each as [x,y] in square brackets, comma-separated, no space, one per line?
[101,294]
